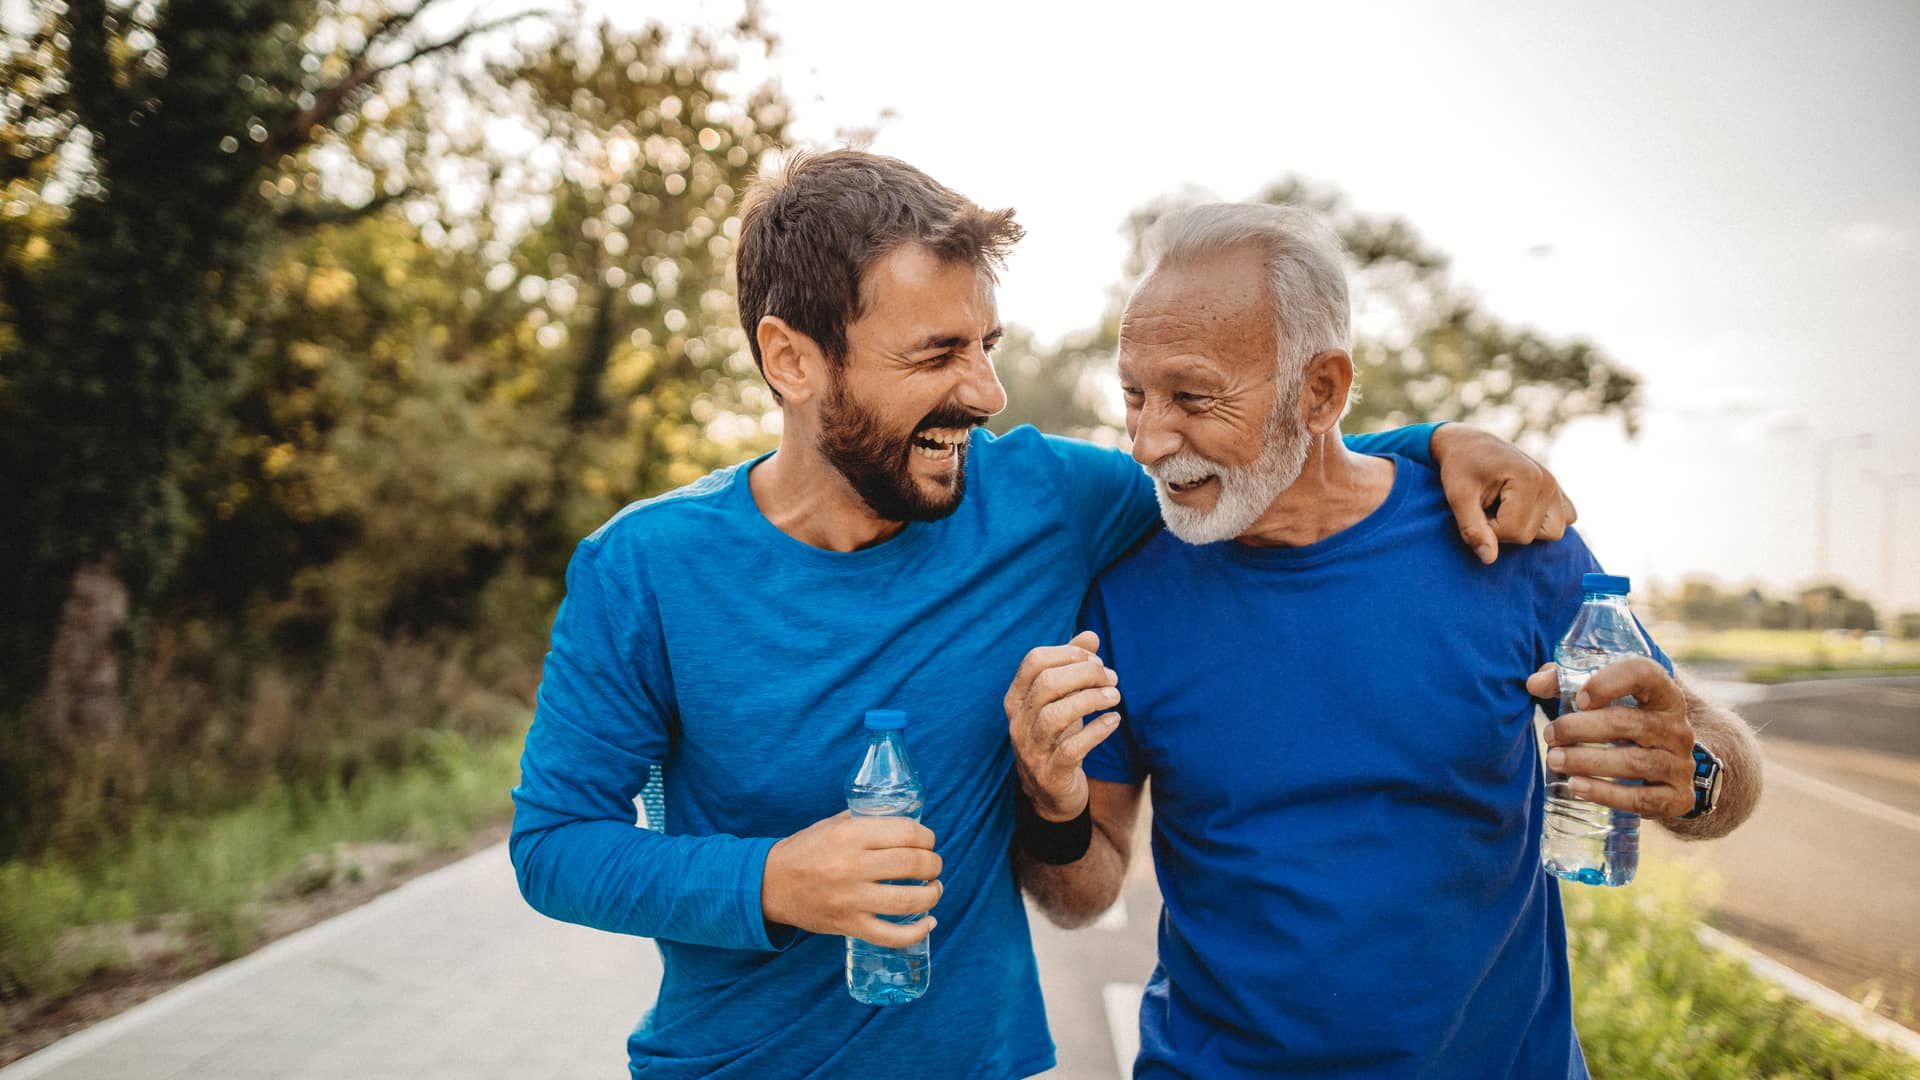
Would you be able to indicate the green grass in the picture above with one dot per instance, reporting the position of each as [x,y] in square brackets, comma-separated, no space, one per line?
[62,921]
[1779,673]
[1651,1001]
[1803,651]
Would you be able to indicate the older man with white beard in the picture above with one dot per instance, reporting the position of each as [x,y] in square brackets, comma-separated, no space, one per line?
[1330,697]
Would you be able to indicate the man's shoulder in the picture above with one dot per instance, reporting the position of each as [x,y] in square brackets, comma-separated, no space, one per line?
[1420,476]
[1148,562]
[1027,447]
[1417,501]
[684,512]
[1427,530]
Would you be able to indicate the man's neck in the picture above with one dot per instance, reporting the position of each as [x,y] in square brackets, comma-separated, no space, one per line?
[804,496]
[1335,490]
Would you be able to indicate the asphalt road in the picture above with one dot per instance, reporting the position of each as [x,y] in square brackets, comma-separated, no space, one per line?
[1825,877]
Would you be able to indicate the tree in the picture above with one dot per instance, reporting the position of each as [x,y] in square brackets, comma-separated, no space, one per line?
[156,155]
[1424,348]
[345,331]
[1830,607]
[435,399]
[150,147]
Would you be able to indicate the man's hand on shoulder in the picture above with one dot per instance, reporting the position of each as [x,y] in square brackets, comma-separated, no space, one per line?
[1498,494]
[1056,686]
[835,877]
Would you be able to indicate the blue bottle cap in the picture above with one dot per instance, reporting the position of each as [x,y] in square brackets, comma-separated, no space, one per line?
[1604,583]
[886,719]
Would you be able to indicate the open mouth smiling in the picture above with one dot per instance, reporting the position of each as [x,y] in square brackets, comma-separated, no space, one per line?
[938,444]
[1190,485]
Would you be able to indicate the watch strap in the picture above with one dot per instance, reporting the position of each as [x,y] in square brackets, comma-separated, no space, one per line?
[1707,771]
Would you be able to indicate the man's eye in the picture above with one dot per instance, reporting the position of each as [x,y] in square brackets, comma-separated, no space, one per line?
[1194,401]
[1131,393]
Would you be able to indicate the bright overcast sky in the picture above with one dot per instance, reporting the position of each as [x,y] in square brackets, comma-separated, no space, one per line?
[1725,196]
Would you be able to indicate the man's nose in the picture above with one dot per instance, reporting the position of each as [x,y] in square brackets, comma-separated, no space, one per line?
[1156,435]
[980,389]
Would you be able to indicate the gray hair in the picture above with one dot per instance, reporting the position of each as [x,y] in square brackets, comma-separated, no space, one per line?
[1306,274]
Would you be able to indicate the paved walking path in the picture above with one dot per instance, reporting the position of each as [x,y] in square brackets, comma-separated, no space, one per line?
[450,975]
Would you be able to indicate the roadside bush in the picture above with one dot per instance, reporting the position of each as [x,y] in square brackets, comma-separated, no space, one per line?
[1650,1000]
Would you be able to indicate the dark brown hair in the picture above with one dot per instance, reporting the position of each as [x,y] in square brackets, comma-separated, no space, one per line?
[808,236]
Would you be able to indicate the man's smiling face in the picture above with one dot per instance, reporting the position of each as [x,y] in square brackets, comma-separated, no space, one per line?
[1198,351]
[916,379]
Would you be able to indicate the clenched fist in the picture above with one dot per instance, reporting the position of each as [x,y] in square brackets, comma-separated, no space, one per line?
[1056,686]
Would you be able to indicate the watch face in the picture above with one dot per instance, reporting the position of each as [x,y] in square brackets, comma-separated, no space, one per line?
[1713,787]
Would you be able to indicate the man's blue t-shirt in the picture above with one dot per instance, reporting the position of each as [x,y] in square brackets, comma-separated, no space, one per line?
[1347,797]
[699,639]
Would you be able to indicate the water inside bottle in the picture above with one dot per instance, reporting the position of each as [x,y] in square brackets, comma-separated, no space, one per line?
[1584,841]
[876,974]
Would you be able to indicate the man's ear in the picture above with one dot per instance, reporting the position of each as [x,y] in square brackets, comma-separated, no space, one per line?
[792,361]
[1324,393]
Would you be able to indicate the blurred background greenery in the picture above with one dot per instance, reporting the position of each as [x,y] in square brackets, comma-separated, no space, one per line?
[327,327]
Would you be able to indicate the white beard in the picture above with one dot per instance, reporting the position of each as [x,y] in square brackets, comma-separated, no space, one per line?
[1245,490]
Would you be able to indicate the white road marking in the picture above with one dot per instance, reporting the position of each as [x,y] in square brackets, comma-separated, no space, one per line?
[1732,694]
[1122,1001]
[1839,796]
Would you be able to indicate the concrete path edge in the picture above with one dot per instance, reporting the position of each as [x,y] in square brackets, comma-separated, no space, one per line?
[293,945]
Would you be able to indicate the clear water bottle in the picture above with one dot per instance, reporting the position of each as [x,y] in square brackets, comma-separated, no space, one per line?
[887,785]
[1584,841]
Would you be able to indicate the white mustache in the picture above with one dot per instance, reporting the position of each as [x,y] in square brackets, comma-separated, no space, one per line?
[1185,467]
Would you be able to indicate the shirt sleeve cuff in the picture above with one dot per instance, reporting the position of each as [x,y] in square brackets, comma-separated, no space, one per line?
[758,934]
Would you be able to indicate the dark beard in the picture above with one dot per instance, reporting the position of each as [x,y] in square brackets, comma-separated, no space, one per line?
[875,463]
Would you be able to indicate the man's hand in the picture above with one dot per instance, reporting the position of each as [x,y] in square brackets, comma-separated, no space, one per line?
[831,876]
[1498,494]
[1056,686]
[1662,757]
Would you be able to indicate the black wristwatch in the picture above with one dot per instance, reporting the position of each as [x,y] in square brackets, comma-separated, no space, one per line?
[1707,775]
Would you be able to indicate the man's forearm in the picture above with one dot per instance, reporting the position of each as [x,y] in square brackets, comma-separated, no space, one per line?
[1077,893]
[1722,731]
[614,876]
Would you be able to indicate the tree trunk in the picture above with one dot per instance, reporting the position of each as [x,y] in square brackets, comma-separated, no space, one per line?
[81,706]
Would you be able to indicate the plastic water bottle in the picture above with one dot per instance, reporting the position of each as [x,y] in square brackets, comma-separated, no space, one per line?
[1584,841]
[887,785]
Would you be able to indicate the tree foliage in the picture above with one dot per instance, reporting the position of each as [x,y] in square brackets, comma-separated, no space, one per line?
[1702,603]
[323,330]
[437,398]
[1424,347]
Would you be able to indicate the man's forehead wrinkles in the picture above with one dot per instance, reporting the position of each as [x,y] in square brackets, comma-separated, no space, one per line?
[1156,327]
[1157,365]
